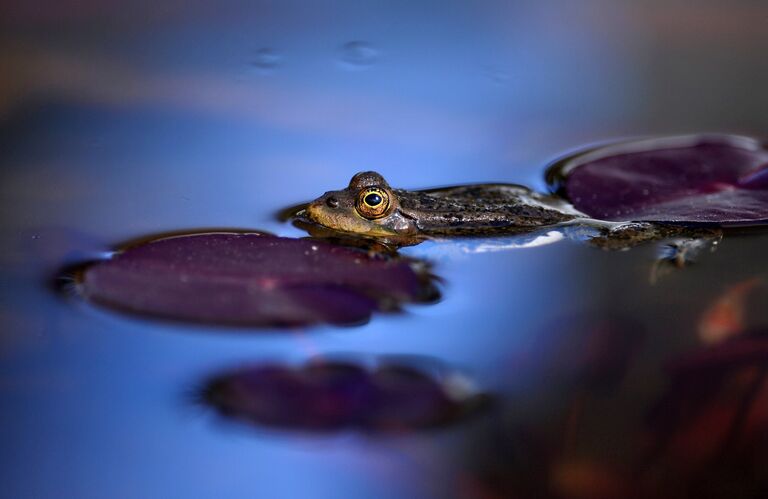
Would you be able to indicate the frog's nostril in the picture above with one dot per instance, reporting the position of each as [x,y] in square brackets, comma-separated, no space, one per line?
[332,202]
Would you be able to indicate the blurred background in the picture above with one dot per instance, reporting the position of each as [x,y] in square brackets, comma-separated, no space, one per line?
[121,120]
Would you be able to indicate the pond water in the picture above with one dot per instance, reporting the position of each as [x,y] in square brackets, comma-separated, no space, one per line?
[118,124]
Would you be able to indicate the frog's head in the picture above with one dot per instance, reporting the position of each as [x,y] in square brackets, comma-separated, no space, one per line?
[368,206]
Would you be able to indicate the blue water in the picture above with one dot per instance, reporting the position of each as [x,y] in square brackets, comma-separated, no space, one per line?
[119,124]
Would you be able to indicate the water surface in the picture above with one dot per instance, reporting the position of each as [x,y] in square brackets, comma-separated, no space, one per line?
[116,125]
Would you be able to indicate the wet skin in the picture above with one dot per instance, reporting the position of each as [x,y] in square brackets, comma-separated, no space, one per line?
[370,208]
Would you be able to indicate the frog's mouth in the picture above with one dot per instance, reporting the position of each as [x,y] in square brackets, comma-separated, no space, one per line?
[348,221]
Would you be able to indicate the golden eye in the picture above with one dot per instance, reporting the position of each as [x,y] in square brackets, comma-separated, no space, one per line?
[373,202]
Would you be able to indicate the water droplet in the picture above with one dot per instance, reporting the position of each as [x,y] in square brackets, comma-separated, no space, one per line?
[358,54]
[266,59]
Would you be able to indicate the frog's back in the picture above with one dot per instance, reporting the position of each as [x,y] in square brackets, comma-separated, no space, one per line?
[481,209]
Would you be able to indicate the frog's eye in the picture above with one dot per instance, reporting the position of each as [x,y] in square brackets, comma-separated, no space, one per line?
[373,203]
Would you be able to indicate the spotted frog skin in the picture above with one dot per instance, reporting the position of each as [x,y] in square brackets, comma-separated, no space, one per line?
[370,207]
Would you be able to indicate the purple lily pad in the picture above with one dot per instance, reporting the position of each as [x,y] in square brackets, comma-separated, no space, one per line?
[253,279]
[334,395]
[714,179]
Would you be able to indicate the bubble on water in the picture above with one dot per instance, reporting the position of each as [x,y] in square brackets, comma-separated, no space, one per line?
[358,55]
[266,59]
[497,74]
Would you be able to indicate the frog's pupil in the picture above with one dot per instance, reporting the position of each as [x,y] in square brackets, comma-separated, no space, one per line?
[373,199]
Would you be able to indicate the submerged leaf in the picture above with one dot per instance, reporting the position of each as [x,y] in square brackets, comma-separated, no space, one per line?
[718,179]
[253,279]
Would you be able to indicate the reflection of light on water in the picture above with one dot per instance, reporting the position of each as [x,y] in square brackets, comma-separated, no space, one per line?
[457,248]
[459,387]
[501,245]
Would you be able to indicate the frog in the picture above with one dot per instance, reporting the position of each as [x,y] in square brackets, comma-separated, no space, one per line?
[370,208]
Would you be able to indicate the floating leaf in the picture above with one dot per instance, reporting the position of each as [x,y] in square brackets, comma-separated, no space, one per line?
[253,279]
[333,395]
[719,179]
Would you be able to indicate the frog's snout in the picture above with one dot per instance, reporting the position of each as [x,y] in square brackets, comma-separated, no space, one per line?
[314,208]
[319,209]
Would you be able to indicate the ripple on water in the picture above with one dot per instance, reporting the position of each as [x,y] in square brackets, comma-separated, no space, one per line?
[358,55]
[266,59]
